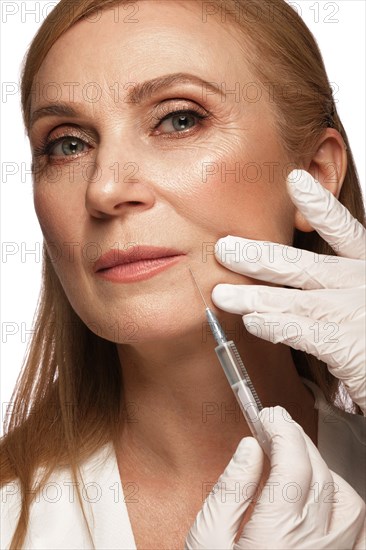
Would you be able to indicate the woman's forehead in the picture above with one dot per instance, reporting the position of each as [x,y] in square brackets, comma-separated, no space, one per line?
[164,35]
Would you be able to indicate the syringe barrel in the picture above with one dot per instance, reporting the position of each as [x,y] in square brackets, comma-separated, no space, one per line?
[243,389]
[234,368]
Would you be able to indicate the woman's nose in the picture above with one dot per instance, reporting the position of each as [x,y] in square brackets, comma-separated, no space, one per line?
[116,187]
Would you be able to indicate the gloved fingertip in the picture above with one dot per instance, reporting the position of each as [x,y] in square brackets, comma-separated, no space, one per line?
[223,241]
[246,445]
[223,249]
[253,317]
[220,292]
[299,181]
[247,459]
[275,419]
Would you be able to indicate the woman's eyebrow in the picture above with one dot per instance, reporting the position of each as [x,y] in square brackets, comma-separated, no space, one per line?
[144,90]
[139,93]
[56,109]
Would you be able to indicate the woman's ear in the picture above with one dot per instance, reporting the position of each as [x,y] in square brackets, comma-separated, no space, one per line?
[328,166]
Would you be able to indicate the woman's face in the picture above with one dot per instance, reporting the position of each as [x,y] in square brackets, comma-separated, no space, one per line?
[134,173]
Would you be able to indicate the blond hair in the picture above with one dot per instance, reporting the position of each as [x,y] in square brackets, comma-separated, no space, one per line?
[66,363]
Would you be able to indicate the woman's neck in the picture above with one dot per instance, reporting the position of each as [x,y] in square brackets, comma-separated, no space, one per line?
[180,413]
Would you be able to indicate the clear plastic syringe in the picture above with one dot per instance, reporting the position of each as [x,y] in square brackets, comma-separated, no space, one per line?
[237,376]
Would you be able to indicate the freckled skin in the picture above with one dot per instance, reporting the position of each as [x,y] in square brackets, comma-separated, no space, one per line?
[184,202]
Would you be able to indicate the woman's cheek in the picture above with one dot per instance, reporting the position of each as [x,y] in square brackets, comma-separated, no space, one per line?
[236,186]
[232,204]
[56,224]
[44,212]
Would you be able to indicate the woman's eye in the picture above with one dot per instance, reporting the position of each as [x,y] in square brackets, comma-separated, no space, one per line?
[66,146]
[174,122]
[179,121]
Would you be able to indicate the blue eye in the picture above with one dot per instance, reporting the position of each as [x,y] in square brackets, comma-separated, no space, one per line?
[66,146]
[180,120]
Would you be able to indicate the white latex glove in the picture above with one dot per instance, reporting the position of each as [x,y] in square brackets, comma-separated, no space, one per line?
[327,317]
[303,504]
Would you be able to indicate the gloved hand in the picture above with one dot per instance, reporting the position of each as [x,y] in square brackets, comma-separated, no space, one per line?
[327,317]
[303,504]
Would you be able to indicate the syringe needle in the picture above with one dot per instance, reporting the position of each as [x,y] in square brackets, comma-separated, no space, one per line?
[199,290]
[213,321]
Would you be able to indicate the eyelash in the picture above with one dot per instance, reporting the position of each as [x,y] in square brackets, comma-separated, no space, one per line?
[44,149]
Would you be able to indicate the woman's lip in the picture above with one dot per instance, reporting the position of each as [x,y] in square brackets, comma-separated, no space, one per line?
[117,256]
[138,271]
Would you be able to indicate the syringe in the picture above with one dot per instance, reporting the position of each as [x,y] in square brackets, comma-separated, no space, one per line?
[237,376]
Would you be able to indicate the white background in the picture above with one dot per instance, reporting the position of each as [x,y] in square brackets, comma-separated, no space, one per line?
[339,28]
